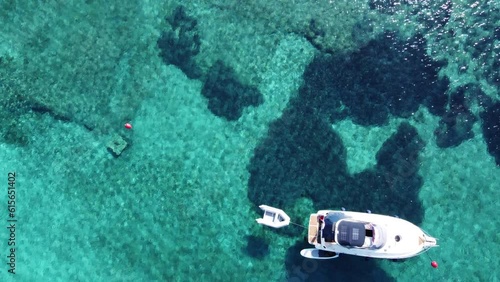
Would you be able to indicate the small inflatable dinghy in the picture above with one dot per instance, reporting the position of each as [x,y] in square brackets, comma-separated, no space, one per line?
[273,217]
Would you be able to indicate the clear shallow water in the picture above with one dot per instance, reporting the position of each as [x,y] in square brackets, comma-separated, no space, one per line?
[304,106]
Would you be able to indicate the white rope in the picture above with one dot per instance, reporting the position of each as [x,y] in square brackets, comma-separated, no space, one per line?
[298,225]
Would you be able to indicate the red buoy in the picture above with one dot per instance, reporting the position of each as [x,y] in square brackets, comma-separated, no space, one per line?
[128,126]
[434,264]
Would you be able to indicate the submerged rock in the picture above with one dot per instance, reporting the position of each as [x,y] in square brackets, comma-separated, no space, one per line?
[456,125]
[491,130]
[388,76]
[227,96]
[181,43]
[117,145]
[256,247]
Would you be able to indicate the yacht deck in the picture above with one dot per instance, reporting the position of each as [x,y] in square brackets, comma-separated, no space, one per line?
[313,229]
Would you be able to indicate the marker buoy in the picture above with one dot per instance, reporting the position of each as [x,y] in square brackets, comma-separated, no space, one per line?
[434,264]
[128,126]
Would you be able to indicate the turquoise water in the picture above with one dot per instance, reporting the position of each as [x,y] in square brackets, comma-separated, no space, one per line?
[303,105]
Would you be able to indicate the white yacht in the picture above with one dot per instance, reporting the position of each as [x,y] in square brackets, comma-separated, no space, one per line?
[334,232]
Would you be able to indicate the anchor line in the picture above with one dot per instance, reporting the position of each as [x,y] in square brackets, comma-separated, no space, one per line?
[298,225]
